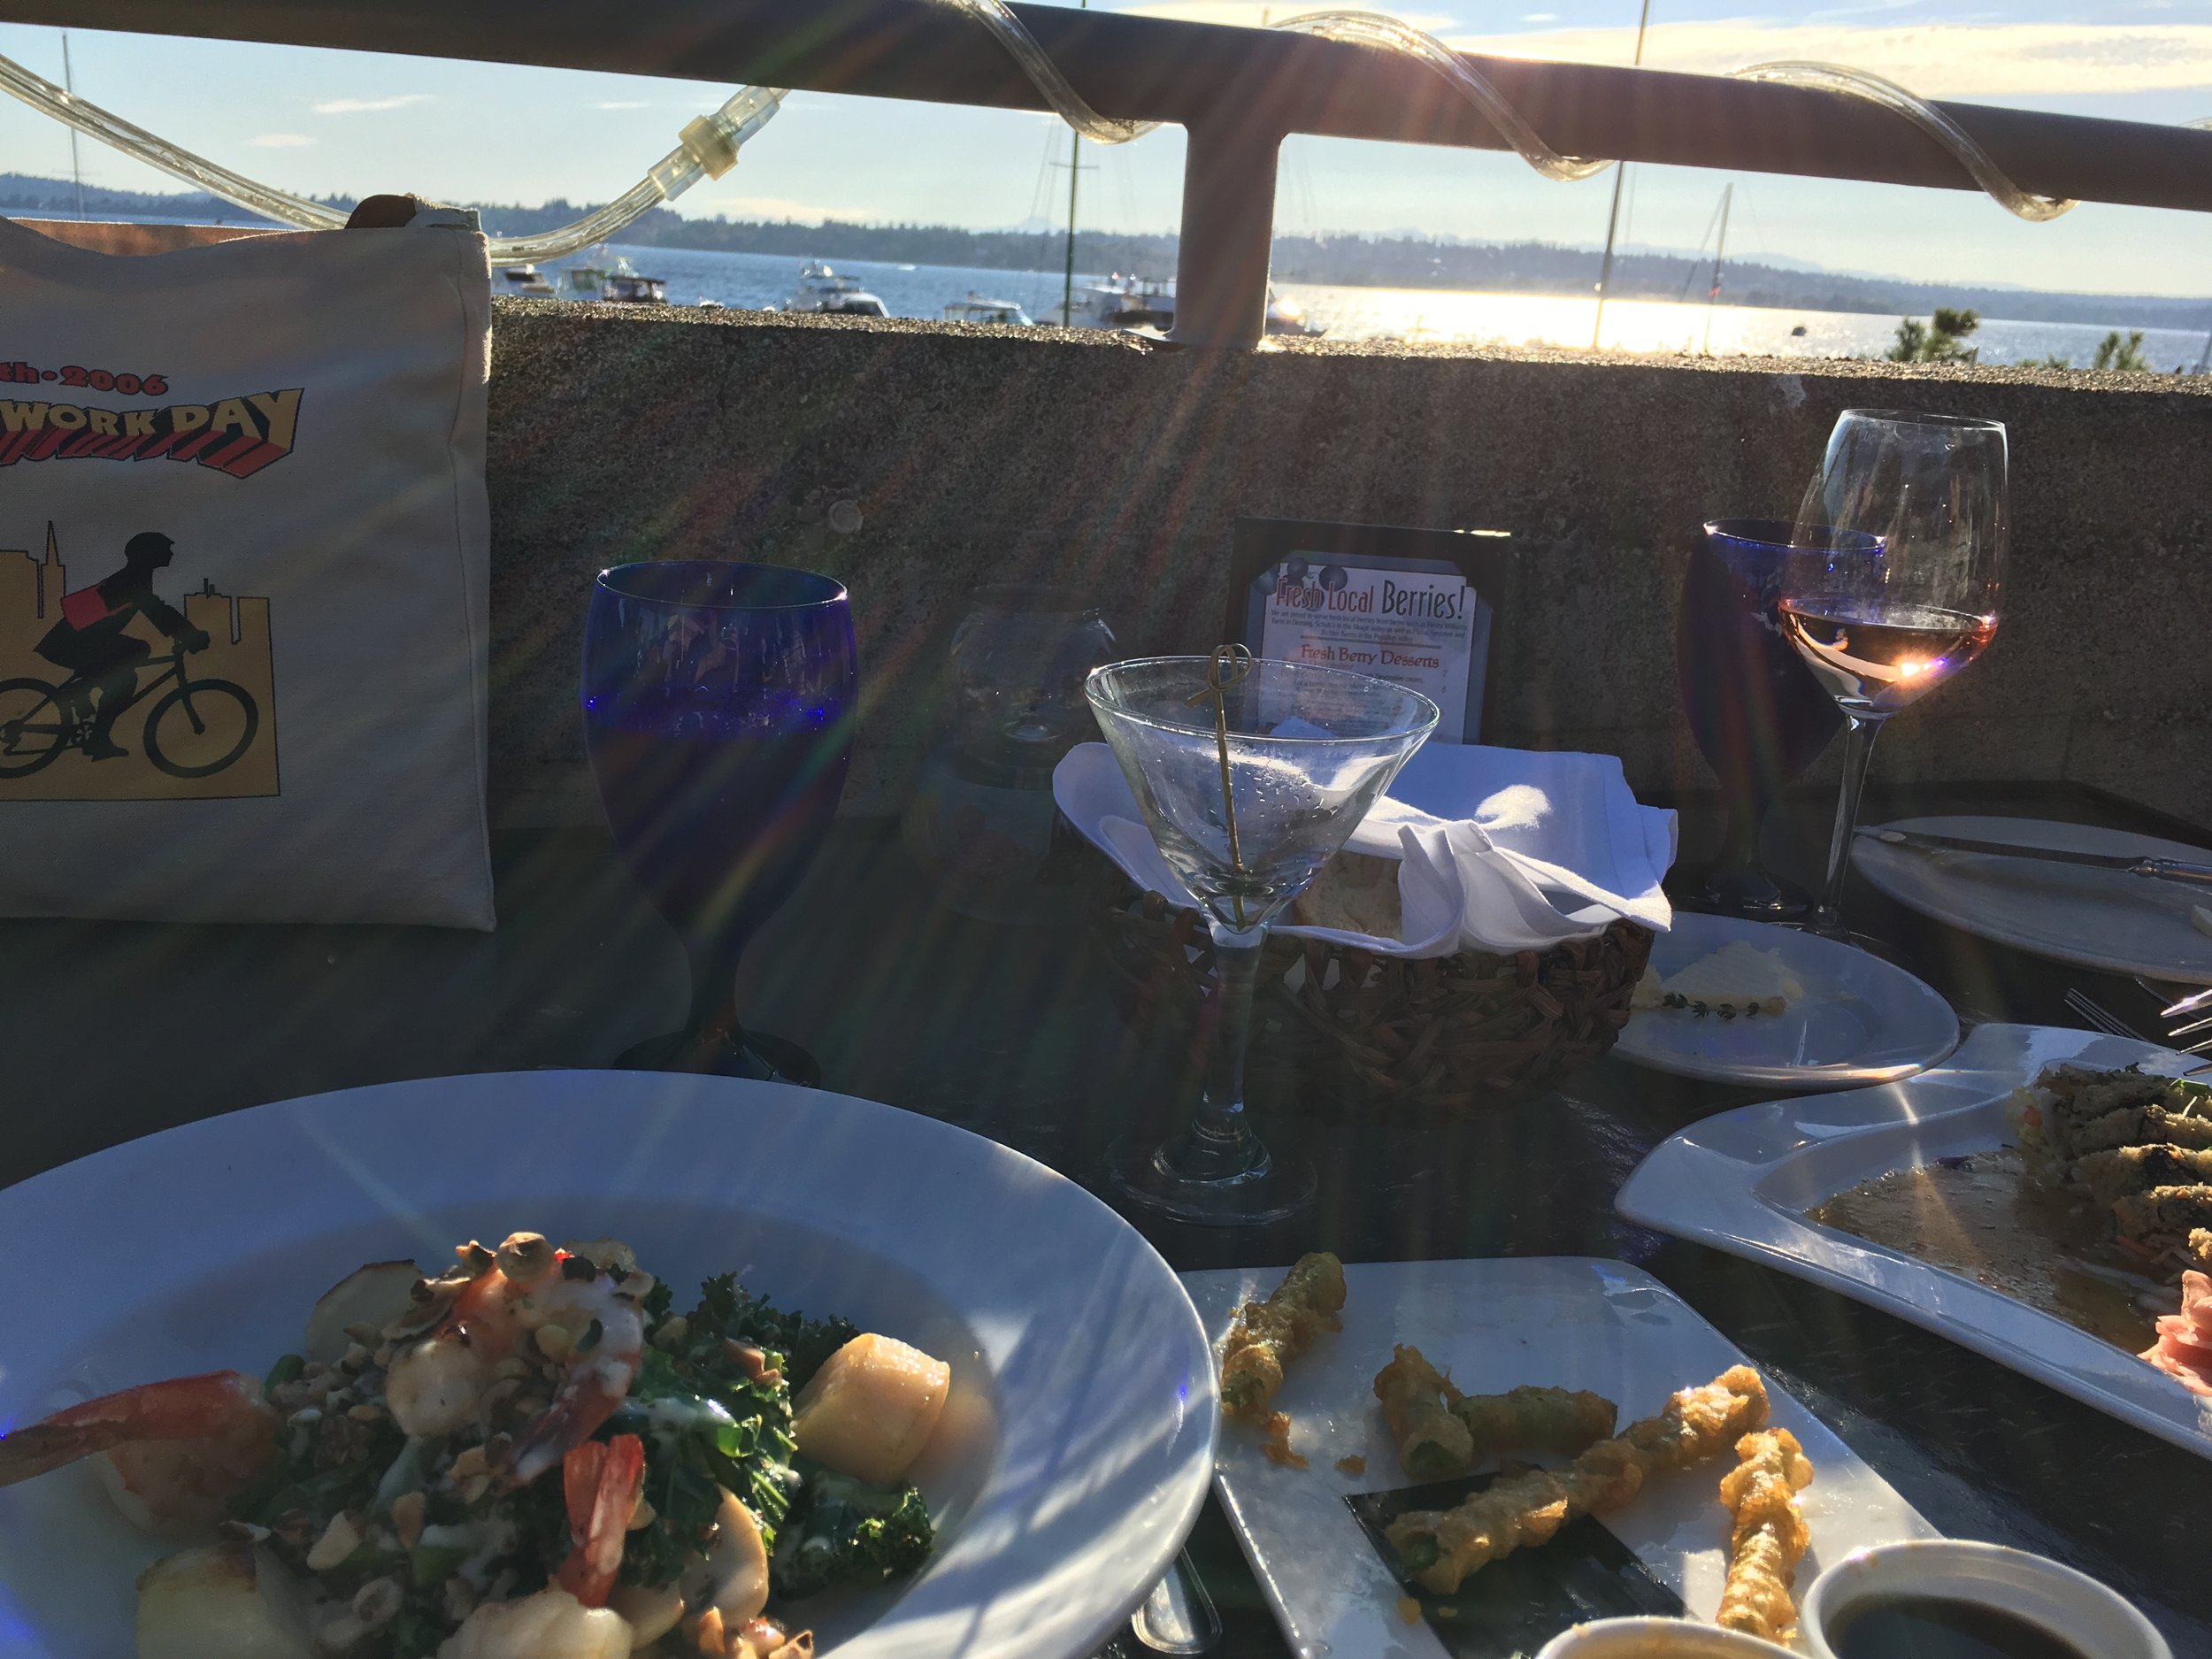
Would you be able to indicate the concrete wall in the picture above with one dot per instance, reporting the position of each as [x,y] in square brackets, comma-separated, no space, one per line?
[982,455]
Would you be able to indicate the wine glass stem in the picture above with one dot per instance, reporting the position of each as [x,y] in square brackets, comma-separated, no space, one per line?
[1219,1124]
[714,1024]
[1739,847]
[1858,749]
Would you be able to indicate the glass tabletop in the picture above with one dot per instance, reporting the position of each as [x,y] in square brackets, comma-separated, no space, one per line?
[1013,1033]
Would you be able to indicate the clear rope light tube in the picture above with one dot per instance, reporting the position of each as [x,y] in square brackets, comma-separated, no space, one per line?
[706,149]
[707,146]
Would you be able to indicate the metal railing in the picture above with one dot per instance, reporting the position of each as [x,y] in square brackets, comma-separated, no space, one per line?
[1237,92]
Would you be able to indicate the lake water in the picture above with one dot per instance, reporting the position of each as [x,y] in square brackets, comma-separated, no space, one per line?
[1429,315]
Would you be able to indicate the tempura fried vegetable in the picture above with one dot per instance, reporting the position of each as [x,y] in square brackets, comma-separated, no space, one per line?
[1267,1335]
[1275,1442]
[2071,1112]
[1441,1546]
[1441,1432]
[1416,1398]
[2199,1248]
[2114,1174]
[1767,1534]
[1529,1419]
[2175,1211]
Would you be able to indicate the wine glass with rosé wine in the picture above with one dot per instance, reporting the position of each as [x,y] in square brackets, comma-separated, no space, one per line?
[1881,628]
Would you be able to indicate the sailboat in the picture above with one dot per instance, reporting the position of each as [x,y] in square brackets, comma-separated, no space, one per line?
[1136,302]
[1620,178]
[1720,255]
[1720,252]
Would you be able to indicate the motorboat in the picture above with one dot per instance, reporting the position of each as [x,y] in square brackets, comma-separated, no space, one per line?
[822,293]
[977,308]
[592,281]
[1287,317]
[1148,307]
[1120,301]
[523,281]
[628,287]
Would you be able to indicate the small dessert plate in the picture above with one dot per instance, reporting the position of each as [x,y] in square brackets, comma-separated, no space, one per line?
[1861,1020]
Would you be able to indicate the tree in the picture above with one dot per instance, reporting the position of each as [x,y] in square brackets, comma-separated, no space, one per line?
[1942,340]
[2126,357]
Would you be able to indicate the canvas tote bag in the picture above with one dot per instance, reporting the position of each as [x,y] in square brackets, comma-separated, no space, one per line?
[243,579]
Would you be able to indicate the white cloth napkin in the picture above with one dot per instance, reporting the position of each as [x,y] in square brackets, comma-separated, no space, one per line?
[1498,848]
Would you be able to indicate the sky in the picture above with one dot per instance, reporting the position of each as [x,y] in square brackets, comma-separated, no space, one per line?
[318,122]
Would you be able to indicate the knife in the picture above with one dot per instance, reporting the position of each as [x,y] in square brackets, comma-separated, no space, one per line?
[2134,865]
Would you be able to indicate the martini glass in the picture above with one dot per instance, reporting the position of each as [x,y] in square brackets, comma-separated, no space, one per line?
[719,702]
[1308,752]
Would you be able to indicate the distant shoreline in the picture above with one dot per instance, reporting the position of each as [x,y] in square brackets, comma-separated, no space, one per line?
[1390,262]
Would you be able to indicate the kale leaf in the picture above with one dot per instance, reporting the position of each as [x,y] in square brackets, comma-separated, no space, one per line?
[848,1534]
[804,1344]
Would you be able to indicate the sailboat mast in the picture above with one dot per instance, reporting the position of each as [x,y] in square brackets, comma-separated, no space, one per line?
[1075,172]
[69,85]
[1613,219]
[1067,286]
[1720,252]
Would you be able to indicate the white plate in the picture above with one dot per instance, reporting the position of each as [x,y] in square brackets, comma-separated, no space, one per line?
[2098,918]
[1742,1180]
[1076,1446]
[1563,1320]
[1864,1020]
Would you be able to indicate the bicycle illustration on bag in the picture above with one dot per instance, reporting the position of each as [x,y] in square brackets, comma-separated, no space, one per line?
[197,729]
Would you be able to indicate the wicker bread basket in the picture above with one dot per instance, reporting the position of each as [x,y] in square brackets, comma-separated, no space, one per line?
[1347,1032]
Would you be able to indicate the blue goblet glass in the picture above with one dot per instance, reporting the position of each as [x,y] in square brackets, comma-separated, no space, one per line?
[1759,717]
[719,703]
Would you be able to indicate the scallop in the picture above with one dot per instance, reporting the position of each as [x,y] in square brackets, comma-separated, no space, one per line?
[375,1295]
[220,1601]
[551,1625]
[868,1411]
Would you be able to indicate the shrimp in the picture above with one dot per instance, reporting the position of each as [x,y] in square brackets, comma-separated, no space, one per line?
[171,1453]
[601,1481]
[575,1313]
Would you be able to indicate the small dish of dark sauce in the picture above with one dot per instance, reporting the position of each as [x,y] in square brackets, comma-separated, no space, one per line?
[1937,1627]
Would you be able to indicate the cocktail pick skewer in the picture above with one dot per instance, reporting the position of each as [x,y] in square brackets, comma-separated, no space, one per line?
[1228,666]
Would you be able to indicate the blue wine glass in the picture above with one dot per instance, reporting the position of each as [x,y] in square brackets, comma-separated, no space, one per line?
[1759,717]
[719,703]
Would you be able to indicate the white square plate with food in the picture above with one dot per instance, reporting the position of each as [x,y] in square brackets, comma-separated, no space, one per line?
[1493,1325]
[1745,1181]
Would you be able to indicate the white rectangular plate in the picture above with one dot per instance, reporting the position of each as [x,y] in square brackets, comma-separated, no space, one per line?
[1566,1321]
[1742,1180]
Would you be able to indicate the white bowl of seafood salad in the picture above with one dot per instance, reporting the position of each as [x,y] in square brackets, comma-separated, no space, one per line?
[558,1444]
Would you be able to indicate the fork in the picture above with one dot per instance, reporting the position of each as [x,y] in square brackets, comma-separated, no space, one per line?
[1178,1617]
[2187,1005]
[2098,1016]
[2105,1020]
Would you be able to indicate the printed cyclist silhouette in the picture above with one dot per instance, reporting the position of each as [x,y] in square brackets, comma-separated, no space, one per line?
[90,640]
